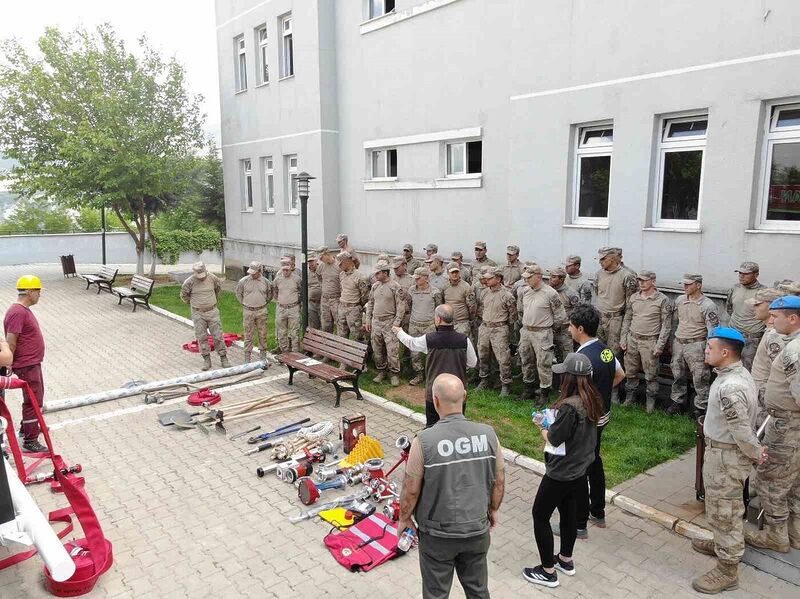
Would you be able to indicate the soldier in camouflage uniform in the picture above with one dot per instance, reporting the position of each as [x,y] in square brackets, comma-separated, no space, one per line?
[424,298]
[512,270]
[328,273]
[201,292]
[779,478]
[386,308]
[480,256]
[499,314]
[697,315]
[466,271]
[769,347]
[254,293]
[479,286]
[741,313]
[459,295]
[287,288]
[355,292]
[344,245]
[562,340]
[731,450]
[412,263]
[314,293]
[430,250]
[645,332]
[438,278]
[577,280]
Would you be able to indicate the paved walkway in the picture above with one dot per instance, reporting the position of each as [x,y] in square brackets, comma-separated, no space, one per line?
[189,518]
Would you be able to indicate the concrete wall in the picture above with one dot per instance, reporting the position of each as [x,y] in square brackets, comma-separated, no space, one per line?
[526,73]
[86,247]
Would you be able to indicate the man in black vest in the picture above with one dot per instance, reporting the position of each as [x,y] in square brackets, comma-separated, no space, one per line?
[454,485]
[448,352]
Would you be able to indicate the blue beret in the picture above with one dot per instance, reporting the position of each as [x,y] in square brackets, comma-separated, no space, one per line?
[787,302]
[726,333]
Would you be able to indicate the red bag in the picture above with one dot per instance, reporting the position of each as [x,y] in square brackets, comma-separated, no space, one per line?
[92,555]
[365,545]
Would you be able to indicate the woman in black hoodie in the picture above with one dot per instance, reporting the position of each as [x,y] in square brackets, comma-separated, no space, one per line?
[575,426]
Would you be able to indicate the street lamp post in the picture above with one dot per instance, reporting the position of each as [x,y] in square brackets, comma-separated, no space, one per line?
[302,190]
[103,231]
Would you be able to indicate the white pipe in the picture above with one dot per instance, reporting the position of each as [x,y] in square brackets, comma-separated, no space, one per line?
[93,398]
[35,526]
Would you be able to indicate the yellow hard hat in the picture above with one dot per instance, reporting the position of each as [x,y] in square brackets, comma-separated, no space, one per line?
[29,282]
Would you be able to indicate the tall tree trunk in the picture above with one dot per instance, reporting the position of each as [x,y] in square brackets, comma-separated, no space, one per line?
[138,235]
[153,243]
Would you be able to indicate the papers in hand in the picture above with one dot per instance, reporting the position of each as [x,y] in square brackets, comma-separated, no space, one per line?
[309,362]
[549,418]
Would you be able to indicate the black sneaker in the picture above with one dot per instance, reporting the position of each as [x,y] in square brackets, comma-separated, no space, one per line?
[567,568]
[34,447]
[537,575]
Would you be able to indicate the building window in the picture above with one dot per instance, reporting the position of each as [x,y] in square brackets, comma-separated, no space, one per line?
[287,48]
[240,66]
[780,203]
[247,185]
[262,60]
[681,150]
[592,175]
[378,8]
[464,158]
[384,163]
[292,200]
[269,184]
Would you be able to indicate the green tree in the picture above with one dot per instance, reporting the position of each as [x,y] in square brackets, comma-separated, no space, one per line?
[211,194]
[92,123]
[89,219]
[32,215]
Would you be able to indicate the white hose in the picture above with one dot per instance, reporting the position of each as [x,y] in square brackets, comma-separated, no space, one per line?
[316,432]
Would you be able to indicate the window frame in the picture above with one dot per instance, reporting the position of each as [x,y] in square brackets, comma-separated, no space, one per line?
[239,64]
[386,164]
[368,12]
[773,135]
[283,48]
[681,144]
[262,55]
[291,197]
[247,184]
[268,196]
[590,151]
[465,158]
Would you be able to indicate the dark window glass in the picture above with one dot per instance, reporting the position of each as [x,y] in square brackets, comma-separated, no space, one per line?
[784,183]
[474,150]
[681,186]
[593,190]
[690,129]
[392,157]
[789,118]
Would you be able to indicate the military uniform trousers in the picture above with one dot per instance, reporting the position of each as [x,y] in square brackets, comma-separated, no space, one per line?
[255,321]
[778,479]
[385,345]
[205,322]
[493,340]
[417,329]
[314,315]
[463,327]
[287,326]
[639,358]
[536,351]
[610,331]
[725,469]
[563,342]
[328,313]
[439,557]
[350,321]
[750,346]
[688,359]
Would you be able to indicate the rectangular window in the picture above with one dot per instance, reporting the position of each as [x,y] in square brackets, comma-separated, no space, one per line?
[780,196]
[287,48]
[384,163]
[247,185]
[378,8]
[594,146]
[681,152]
[262,60]
[240,66]
[292,199]
[464,158]
[269,184]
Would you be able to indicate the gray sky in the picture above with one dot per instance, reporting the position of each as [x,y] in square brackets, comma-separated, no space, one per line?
[181,28]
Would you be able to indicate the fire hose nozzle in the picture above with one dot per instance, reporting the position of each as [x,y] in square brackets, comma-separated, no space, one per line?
[403,443]
[308,491]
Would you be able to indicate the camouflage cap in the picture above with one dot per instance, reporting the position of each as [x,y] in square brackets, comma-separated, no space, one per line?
[344,256]
[408,247]
[323,249]
[765,294]
[421,272]
[398,261]
[381,266]
[313,257]
[255,267]
[747,268]
[690,278]
[286,260]
[456,255]
[432,247]
[383,256]
[557,271]
[529,271]
[790,287]
[434,257]
[646,275]
[608,250]
[291,257]
[498,271]
[199,267]
[573,259]
[341,237]
[512,249]
[486,273]
[453,266]
[480,245]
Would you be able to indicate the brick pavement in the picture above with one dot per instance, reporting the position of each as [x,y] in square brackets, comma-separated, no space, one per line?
[189,518]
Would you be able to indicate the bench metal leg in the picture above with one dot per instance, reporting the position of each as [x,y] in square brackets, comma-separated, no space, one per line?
[87,284]
[355,387]
[98,288]
[119,303]
[291,374]
[338,394]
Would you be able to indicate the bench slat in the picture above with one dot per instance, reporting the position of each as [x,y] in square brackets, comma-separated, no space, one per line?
[336,339]
[324,372]
[340,355]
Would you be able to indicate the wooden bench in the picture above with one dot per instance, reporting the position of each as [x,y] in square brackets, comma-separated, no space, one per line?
[103,279]
[139,291]
[351,354]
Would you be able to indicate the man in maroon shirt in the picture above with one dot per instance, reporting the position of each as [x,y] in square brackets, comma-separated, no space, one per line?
[27,344]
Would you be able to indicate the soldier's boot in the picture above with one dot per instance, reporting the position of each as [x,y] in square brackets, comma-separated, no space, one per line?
[674,408]
[544,394]
[417,380]
[704,546]
[528,392]
[223,359]
[248,357]
[505,390]
[774,536]
[651,404]
[615,397]
[724,577]
[380,377]
[794,531]
[484,385]
[206,362]
[630,399]
[394,380]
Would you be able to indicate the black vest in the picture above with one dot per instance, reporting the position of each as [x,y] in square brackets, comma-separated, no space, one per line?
[604,369]
[447,353]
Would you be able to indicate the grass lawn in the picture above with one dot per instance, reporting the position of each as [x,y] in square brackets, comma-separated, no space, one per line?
[633,441]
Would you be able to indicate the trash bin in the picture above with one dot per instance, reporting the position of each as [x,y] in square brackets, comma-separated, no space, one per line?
[68,266]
